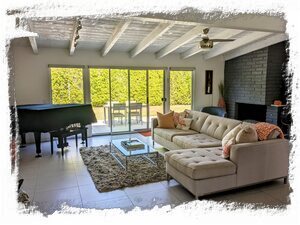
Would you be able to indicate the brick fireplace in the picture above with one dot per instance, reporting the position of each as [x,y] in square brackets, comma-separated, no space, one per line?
[253,81]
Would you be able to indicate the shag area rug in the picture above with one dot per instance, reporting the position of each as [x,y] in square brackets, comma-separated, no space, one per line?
[108,175]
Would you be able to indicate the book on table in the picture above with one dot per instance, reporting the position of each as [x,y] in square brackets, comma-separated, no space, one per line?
[132,144]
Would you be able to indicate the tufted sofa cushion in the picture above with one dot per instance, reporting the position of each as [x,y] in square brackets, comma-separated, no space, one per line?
[196,141]
[198,119]
[218,127]
[170,133]
[200,163]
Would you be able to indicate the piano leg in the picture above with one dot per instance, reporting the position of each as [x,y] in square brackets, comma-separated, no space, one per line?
[37,138]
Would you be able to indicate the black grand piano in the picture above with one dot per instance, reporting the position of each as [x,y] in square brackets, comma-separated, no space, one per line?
[40,118]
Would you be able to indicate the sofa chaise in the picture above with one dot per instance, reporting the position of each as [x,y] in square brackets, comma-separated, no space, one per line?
[195,157]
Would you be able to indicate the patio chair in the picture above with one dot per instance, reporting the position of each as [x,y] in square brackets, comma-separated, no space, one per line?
[136,111]
[118,111]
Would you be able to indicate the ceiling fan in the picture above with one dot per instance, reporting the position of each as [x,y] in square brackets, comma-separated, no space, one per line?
[209,43]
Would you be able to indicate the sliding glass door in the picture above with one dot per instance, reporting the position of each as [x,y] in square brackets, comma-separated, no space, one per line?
[180,90]
[119,113]
[100,99]
[138,107]
[124,100]
[109,97]
[156,91]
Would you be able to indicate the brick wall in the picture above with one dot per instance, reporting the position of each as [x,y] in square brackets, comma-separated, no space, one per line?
[275,67]
[254,78]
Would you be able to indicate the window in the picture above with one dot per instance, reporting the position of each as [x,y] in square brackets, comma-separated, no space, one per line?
[180,90]
[66,85]
[124,99]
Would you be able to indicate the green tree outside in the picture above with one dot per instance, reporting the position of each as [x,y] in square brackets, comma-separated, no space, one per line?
[180,87]
[67,86]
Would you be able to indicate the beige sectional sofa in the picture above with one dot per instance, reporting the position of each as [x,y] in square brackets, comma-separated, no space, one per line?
[195,157]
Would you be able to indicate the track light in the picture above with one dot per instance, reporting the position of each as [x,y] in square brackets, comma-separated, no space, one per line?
[79,26]
[76,37]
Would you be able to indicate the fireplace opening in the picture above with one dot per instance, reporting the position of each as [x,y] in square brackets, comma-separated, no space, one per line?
[251,112]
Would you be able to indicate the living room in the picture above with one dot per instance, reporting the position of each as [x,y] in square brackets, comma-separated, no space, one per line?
[159,63]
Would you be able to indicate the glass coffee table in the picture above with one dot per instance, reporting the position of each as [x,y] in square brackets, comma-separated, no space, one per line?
[145,152]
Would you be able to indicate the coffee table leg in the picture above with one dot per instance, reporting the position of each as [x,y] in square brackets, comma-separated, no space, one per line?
[119,161]
[150,160]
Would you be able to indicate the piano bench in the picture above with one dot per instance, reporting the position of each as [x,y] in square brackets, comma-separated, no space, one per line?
[62,135]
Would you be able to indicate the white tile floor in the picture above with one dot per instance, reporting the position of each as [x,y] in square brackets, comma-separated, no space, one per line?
[53,180]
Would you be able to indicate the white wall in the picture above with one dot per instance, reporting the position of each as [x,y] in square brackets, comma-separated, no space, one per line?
[32,83]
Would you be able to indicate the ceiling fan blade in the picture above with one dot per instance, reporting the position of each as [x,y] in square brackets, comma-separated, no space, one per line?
[222,40]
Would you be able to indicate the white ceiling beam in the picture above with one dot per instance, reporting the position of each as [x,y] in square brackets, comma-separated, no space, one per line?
[150,38]
[32,40]
[221,49]
[249,22]
[118,31]
[274,39]
[72,42]
[160,20]
[195,32]
[222,35]
[33,44]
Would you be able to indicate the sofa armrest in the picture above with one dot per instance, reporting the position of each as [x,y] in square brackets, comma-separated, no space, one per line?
[154,123]
[260,161]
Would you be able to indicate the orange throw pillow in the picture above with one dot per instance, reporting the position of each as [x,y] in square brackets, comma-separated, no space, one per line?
[165,120]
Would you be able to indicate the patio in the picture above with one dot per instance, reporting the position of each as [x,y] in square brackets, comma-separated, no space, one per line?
[103,126]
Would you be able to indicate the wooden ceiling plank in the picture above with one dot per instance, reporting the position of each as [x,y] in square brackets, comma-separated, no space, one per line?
[150,38]
[190,35]
[254,36]
[248,22]
[274,39]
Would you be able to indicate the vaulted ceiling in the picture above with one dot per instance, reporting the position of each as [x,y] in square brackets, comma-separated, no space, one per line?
[156,34]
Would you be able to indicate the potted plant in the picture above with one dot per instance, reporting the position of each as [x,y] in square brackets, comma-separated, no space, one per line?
[221,102]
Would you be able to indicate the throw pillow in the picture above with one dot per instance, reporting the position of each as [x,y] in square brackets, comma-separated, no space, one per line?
[178,115]
[184,123]
[229,140]
[231,134]
[246,134]
[242,133]
[165,120]
[227,147]
[264,131]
